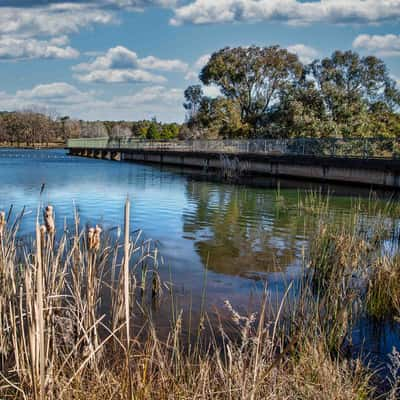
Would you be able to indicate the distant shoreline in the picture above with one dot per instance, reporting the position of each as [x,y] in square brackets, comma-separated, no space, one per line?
[35,146]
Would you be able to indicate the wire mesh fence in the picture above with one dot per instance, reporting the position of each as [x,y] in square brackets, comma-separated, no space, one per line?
[327,147]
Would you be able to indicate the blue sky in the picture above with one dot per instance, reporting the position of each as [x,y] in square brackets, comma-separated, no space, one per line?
[132,59]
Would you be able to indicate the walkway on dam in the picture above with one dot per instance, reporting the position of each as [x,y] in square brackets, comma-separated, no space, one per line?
[327,147]
[368,162]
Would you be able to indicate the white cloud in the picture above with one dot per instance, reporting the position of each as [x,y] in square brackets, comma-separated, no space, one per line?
[59,40]
[382,45]
[58,96]
[120,57]
[291,11]
[193,73]
[116,58]
[53,20]
[120,64]
[305,53]
[42,31]
[139,4]
[57,92]
[164,103]
[155,63]
[211,91]
[202,61]
[21,48]
[151,95]
[120,76]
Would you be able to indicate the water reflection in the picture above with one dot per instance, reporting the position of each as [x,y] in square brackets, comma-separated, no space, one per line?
[239,230]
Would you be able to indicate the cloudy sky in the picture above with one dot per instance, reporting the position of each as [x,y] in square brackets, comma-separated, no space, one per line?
[132,59]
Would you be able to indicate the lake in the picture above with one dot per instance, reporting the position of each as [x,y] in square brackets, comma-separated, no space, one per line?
[224,238]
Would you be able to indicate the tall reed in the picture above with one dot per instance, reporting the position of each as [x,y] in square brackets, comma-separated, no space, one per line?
[80,344]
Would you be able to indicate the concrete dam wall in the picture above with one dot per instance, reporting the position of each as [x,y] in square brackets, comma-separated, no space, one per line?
[370,172]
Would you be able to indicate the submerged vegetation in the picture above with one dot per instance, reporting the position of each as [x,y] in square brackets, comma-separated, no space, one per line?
[76,317]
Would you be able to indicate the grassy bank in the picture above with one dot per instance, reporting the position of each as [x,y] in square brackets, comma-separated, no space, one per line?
[69,307]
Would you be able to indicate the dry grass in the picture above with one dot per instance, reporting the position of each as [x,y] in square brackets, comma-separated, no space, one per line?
[354,270]
[357,254]
[383,292]
[60,337]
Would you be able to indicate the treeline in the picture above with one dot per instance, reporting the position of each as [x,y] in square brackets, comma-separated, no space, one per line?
[268,92]
[32,128]
[145,129]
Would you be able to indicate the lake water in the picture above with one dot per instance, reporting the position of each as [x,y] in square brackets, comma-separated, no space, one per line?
[231,237]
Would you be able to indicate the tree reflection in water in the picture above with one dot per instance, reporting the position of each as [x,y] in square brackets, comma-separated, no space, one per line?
[241,231]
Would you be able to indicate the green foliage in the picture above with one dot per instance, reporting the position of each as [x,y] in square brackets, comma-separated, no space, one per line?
[300,112]
[170,131]
[351,88]
[153,132]
[253,77]
[158,131]
[268,92]
[139,128]
[29,128]
[223,117]
[193,97]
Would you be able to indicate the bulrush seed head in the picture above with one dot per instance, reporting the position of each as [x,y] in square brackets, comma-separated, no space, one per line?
[90,238]
[93,238]
[43,231]
[49,219]
[2,221]
[96,238]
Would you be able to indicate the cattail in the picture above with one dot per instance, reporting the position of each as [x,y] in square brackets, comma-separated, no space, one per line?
[2,221]
[156,288]
[90,237]
[42,231]
[49,220]
[96,238]
[93,238]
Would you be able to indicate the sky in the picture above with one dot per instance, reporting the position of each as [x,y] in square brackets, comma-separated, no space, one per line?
[132,59]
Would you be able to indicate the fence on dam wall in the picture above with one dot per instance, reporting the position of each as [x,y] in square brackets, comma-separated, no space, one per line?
[321,147]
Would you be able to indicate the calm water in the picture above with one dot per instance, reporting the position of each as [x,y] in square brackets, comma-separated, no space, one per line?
[241,236]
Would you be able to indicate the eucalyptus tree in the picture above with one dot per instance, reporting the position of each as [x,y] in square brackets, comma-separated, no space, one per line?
[221,117]
[300,111]
[352,87]
[253,76]
[193,98]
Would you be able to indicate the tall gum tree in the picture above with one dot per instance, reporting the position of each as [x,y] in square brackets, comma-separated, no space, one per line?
[252,76]
[352,87]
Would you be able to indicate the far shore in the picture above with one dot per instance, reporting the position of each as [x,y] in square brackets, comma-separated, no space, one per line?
[37,146]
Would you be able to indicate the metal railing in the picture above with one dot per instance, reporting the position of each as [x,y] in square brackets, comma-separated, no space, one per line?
[327,147]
